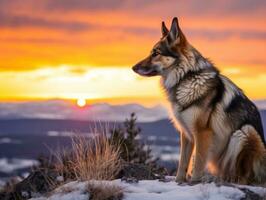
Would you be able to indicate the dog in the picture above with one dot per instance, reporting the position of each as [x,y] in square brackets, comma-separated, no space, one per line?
[220,129]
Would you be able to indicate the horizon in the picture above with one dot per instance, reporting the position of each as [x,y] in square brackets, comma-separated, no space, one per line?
[54,109]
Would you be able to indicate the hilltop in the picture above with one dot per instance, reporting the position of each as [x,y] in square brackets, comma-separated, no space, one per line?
[152,190]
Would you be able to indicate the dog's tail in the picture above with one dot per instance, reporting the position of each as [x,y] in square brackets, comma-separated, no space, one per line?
[245,162]
[260,170]
[259,165]
[255,149]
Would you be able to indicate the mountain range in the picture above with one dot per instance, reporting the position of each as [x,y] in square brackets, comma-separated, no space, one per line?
[59,109]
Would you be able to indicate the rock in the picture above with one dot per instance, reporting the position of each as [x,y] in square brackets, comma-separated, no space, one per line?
[38,182]
[129,180]
[250,195]
[137,171]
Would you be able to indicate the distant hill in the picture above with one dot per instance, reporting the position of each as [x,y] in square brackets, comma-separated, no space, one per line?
[59,109]
[44,126]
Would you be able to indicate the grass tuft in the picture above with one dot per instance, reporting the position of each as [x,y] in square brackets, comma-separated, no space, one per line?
[90,159]
[104,191]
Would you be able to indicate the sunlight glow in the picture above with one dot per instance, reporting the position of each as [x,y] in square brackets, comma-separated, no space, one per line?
[81,102]
[111,84]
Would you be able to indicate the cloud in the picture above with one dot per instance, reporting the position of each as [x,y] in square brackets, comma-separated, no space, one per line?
[217,9]
[225,34]
[24,21]
[245,5]
[11,165]
[18,21]
[83,4]
[35,40]
[144,8]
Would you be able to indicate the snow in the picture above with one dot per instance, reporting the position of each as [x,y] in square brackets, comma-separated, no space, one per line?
[11,165]
[154,190]
[70,191]
[165,152]
[2,184]
[169,157]
[6,140]
[258,190]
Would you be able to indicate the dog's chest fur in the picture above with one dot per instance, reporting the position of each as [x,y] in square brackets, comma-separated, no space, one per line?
[189,99]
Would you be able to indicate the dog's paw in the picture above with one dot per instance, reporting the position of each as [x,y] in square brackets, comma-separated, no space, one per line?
[183,184]
[208,178]
[167,179]
[195,180]
[180,180]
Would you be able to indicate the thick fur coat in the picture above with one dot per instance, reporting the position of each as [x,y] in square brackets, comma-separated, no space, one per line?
[220,127]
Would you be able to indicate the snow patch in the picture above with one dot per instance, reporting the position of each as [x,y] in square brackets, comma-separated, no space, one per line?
[13,164]
[154,190]
[7,140]
[2,184]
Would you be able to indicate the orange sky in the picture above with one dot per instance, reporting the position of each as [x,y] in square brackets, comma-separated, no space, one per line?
[85,49]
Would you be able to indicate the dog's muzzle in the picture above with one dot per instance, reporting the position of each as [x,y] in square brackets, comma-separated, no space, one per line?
[144,71]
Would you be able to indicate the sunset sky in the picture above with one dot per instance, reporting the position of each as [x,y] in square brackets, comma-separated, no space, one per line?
[71,49]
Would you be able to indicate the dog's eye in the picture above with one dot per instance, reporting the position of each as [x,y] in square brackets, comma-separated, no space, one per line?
[154,53]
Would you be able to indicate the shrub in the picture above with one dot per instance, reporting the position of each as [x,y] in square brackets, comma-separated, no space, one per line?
[131,149]
[90,159]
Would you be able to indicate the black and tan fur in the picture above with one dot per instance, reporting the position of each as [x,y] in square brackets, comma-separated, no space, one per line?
[219,125]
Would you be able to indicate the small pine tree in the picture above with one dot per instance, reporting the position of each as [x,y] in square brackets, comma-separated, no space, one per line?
[132,150]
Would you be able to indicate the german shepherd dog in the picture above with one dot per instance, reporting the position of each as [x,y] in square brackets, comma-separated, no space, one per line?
[221,129]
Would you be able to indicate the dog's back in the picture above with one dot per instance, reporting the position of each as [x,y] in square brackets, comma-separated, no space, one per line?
[238,137]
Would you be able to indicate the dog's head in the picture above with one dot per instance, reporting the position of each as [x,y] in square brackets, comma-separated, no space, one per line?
[165,53]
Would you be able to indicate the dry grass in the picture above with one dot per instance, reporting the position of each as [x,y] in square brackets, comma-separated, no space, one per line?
[90,159]
[104,191]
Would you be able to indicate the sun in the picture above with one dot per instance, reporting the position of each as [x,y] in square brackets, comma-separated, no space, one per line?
[81,102]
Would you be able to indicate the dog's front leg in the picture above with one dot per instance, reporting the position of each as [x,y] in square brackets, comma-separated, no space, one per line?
[202,141]
[185,154]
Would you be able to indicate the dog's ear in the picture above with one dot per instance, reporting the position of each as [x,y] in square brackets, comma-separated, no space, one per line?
[174,31]
[164,29]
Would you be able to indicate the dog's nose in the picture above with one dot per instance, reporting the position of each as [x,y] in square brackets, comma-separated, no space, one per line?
[135,68]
